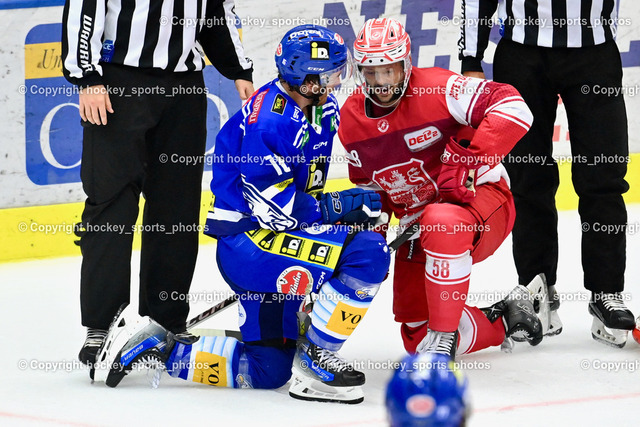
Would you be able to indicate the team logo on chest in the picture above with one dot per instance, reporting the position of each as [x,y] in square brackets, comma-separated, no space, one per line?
[407,183]
[383,125]
[422,138]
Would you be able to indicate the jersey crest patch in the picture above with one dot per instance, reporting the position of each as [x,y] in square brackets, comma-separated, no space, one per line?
[383,125]
[407,183]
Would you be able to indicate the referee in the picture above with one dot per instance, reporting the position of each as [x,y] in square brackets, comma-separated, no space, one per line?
[143,107]
[563,48]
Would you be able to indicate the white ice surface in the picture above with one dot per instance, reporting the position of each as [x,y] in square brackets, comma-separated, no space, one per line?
[560,382]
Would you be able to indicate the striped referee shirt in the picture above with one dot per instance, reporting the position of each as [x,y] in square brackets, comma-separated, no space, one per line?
[162,34]
[545,23]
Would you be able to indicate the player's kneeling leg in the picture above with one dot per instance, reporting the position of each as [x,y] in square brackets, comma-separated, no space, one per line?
[227,362]
[213,360]
[319,373]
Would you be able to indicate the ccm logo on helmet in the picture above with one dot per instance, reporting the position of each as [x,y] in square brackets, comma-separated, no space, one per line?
[422,138]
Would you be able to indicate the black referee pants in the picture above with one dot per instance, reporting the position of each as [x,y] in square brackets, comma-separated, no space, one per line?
[599,146]
[143,148]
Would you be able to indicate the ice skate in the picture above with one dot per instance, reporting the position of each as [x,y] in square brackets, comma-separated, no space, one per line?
[91,347]
[439,342]
[612,320]
[518,315]
[132,340]
[93,342]
[322,375]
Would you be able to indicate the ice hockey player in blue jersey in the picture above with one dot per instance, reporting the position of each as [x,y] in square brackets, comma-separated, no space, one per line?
[280,238]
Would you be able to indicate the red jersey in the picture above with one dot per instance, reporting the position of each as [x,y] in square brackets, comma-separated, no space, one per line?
[399,153]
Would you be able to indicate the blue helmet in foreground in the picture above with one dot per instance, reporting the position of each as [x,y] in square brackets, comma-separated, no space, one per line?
[427,390]
[313,50]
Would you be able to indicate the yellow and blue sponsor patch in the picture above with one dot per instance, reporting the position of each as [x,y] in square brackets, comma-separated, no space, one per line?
[304,249]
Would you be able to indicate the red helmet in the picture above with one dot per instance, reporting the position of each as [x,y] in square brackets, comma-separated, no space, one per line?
[380,42]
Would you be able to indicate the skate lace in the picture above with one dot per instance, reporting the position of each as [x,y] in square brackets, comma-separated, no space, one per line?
[437,342]
[330,360]
[445,343]
[95,337]
[613,302]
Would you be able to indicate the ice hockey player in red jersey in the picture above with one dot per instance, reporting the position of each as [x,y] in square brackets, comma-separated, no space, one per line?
[431,142]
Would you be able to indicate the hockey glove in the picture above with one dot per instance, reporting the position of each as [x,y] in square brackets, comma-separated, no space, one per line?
[354,206]
[456,181]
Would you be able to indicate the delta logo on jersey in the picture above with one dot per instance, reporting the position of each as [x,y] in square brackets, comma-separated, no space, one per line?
[407,183]
[295,281]
[422,138]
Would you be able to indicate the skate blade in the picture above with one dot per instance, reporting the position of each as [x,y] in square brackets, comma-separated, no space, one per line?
[304,387]
[611,337]
[507,345]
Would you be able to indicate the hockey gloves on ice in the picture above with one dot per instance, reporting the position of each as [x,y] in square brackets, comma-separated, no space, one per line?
[457,175]
[354,206]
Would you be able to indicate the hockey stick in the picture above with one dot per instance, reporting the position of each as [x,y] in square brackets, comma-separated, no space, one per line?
[212,311]
[393,246]
[406,234]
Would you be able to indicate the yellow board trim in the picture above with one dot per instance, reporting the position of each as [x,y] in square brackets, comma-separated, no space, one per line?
[20,242]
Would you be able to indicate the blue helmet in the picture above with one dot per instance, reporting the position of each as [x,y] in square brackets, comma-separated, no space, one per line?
[316,50]
[427,390]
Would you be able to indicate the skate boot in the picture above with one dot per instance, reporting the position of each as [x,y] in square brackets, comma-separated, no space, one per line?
[439,342]
[322,375]
[612,320]
[133,341]
[518,315]
[91,346]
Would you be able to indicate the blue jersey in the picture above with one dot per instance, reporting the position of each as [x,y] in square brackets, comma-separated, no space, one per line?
[270,164]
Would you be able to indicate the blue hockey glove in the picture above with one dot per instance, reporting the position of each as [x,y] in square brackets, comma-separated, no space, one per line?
[355,206]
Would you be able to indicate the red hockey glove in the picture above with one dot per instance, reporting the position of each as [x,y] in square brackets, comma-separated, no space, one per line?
[457,174]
